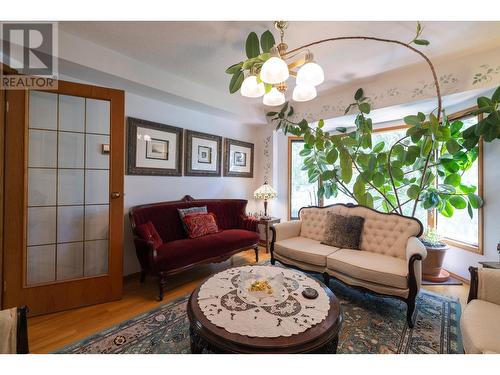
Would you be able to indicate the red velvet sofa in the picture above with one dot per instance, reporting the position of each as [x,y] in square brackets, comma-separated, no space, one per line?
[177,253]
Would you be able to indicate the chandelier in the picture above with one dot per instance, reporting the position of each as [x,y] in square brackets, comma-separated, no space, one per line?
[269,79]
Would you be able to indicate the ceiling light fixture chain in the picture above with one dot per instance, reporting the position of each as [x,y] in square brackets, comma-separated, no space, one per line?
[281,26]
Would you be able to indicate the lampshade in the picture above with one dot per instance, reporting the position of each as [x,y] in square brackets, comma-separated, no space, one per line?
[265,192]
[303,93]
[310,74]
[274,97]
[251,88]
[274,70]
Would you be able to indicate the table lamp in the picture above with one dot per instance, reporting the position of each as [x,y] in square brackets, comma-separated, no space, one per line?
[265,192]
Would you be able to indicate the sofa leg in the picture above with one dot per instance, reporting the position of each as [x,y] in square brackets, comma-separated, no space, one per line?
[162,281]
[143,276]
[410,312]
[256,249]
[326,279]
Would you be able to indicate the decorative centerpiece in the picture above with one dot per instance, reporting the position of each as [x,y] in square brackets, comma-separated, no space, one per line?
[432,267]
[261,290]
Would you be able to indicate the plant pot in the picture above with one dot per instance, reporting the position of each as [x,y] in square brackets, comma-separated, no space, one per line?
[432,266]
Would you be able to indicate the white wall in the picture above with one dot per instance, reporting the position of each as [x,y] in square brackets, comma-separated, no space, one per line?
[147,189]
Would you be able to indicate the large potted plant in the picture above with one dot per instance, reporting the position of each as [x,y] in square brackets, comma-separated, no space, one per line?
[423,168]
[432,266]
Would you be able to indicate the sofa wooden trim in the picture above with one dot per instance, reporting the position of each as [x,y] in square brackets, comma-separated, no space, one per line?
[151,268]
[22,346]
[412,277]
[474,283]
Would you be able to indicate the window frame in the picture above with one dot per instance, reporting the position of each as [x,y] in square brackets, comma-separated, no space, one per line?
[291,140]
[432,215]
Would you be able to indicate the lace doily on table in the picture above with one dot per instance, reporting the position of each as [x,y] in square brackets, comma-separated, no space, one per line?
[287,313]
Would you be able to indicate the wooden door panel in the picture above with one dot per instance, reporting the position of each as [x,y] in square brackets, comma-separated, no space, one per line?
[58,295]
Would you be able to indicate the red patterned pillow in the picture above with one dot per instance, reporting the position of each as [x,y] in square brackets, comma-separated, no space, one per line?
[147,231]
[199,225]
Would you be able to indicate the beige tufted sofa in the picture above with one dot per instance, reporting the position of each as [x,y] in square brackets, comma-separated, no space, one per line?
[388,262]
[479,321]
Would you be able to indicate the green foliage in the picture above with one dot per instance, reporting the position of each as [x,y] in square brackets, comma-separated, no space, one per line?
[489,126]
[267,41]
[257,52]
[417,40]
[424,167]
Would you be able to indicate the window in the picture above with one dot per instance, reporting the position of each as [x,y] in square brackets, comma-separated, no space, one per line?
[301,192]
[460,230]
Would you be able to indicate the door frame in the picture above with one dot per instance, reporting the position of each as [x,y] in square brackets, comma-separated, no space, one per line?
[70,293]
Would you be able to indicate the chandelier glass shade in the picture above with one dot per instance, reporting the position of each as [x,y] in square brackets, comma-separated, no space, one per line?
[274,98]
[310,74]
[274,71]
[303,93]
[267,73]
[251,88]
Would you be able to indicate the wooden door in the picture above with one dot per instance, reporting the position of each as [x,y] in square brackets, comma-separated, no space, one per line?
[63,206]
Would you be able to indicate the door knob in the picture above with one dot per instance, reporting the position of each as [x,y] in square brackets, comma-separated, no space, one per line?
[115,195]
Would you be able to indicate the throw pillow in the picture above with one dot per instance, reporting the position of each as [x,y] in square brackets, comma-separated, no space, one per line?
[343,231]
[199,225]
[147,231]
[191,210]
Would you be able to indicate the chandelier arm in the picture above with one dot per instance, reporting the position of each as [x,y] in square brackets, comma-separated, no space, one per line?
[287,55]
[423,55]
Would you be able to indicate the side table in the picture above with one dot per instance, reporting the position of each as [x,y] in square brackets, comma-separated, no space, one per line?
[495,265]
[268,223]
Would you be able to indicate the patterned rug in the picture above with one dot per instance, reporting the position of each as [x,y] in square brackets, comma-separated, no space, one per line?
[372,324]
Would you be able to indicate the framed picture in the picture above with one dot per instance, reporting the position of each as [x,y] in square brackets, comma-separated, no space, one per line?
[203,154]
[154,149]
[157,149]
[238,158]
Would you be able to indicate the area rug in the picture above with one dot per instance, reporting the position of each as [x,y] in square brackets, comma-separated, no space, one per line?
[372,324]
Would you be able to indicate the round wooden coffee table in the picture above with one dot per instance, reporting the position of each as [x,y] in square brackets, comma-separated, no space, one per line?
[320,338]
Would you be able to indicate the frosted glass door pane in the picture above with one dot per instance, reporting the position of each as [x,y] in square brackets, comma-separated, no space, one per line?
[71,113]
[96,258]
[41,264]
[41,187]
[41,225]
[98,116]
[42,148]
[93,152]
[43,110]
[70,224]
[96,186]
[69,260]
[70,186]
[96,222]
[71,150]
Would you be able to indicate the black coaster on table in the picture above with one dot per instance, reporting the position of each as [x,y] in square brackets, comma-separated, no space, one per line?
[310,293]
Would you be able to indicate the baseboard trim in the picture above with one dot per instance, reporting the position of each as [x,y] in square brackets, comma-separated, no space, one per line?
[465,281]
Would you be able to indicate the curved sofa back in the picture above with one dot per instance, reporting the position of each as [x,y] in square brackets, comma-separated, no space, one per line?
[165,217]
[382,233]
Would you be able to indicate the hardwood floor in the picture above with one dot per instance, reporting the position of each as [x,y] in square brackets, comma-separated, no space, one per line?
[50,332]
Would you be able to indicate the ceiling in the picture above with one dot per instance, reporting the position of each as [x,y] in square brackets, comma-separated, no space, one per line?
[201,51]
